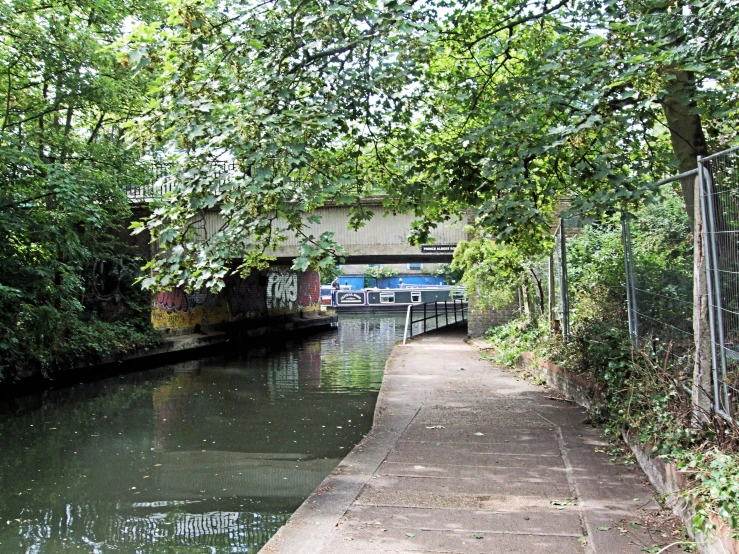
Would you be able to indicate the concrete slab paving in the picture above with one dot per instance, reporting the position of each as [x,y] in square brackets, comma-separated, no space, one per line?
[460,501]
[555,523]
[417,452]
[466,458]
[457,485]
[418,540]
[495,474]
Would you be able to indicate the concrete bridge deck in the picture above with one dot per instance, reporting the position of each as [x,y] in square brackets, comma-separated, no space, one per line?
[466,458]
[383,239]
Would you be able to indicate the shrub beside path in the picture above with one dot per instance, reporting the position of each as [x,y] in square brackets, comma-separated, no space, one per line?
[466,458]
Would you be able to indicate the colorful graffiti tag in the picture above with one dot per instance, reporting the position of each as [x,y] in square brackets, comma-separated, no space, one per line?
[278,292]
[172,301]
[176,309]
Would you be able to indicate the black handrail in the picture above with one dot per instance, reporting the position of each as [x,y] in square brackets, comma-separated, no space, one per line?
[459,313]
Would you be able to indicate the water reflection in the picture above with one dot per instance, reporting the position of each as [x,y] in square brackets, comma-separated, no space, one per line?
[211,455]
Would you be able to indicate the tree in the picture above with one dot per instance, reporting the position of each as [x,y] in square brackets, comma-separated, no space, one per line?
[63,164]
[529,104]
[504,108]
[451,275]
[288,91]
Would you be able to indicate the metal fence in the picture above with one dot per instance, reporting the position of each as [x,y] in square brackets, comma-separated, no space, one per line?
[658,271]
[658,276]
[160,185]
[719,186]
[657,279]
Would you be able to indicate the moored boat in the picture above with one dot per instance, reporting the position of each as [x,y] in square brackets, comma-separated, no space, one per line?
[382,300]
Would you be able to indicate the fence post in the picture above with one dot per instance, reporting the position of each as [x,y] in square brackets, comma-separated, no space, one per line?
[631,307]
[550,286]
[563,292]
[408,323]
[704,338]
[424,317]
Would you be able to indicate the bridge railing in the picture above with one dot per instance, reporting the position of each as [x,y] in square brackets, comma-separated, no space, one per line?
[160,187]
[434,315]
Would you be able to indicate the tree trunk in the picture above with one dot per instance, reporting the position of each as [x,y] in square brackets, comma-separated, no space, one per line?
[540,292]
[529,307]
[686,132]
[702,391]
[524,292]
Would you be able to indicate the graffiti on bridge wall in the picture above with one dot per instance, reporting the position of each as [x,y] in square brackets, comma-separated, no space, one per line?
[177,309]
[289,291]
[282,290]
[246,296]
[277,292]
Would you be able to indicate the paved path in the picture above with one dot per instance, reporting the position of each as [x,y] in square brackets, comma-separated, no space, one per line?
[466,458]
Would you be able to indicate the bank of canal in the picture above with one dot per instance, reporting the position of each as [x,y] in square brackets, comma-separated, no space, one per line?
[211,455]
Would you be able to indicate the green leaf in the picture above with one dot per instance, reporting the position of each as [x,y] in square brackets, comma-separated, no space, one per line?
[592,40]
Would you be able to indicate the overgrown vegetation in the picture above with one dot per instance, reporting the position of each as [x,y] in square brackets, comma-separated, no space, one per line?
[66,103]
[499,110]
[316,102]
[642,390]
[451,274]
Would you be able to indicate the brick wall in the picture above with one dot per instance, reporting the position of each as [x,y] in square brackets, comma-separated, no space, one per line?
[309,290]
[480,320]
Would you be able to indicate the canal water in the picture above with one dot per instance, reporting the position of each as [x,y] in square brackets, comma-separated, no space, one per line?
[211,455]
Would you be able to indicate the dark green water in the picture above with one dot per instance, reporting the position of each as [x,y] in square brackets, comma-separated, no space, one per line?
[210,456]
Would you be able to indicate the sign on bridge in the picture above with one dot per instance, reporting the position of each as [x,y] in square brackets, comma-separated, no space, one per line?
[438,248]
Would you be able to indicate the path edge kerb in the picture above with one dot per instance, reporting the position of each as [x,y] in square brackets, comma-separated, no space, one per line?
[309,527]
[382,393]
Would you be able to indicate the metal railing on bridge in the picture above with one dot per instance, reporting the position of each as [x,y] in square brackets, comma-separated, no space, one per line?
[434,315]
[160,186]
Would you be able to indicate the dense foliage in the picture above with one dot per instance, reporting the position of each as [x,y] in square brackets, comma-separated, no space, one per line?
[502,107]
[662,253]
[63,163]
[266,110]
[451,274]
[290,92]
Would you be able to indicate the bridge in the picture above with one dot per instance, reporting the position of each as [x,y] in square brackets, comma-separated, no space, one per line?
[383,239]
[282,291]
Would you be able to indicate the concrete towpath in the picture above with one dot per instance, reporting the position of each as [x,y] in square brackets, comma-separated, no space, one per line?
[466,458]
